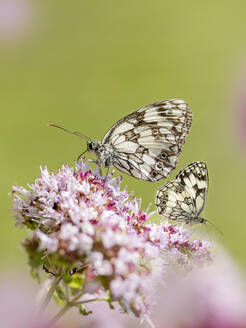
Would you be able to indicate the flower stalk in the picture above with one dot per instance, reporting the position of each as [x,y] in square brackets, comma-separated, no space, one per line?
[52,290]
[59,314]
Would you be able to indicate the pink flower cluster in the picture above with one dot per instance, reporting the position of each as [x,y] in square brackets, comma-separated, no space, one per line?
[213,296]
[84,221]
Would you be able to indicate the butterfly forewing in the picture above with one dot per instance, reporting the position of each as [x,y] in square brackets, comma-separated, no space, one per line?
[183,199]
[146,144]
[195,178]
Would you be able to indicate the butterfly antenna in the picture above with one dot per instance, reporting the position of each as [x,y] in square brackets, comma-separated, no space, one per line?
[76,133]
[216,228]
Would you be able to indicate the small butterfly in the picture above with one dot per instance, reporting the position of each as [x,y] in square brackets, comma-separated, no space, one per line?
[146,143]
[183,199]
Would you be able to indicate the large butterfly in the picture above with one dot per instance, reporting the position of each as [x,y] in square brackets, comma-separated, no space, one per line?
[183,199]
[146,143]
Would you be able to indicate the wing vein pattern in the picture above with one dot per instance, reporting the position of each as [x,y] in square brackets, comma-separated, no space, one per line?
[146,144]
[183,199]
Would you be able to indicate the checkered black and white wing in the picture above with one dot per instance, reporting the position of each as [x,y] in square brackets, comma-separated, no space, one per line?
[195,179]
[183,199]
[174,202]
[146,144]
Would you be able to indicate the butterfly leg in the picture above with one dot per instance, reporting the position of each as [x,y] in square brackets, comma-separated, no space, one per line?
[189,225]
[99,170]
[106,175]
[99,167]
[78,158]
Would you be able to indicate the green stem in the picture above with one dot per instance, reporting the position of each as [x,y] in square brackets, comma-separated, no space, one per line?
[77,297]
[65,308]
[66,291]
[53,287]
[74,303]
[91,300]
[59,314]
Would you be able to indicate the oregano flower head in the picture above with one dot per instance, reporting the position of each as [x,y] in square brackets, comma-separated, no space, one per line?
[95,237]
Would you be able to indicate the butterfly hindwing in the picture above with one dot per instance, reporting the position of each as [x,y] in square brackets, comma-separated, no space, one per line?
[174,202]
[183,199]
[147,143]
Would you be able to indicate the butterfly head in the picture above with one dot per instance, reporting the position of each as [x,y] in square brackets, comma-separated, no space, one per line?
[103,152]
[201,220]
[93,146]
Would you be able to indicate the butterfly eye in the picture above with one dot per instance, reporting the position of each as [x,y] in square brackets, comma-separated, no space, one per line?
[90,147]
[93,145]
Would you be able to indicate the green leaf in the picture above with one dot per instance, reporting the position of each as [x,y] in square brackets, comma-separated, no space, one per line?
[60,296]
[104,281]
[76,281]
[112,307]
[82,310]
[66,277]
[35,256]
[30,224]
[35,274]
[109,300]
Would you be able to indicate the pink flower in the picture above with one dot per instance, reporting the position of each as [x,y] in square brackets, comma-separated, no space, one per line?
[211,297]
[208,297]
[104,317]
[15,18]
[90,225]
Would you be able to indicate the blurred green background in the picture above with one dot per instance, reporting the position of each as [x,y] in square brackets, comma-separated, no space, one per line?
[86,64]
